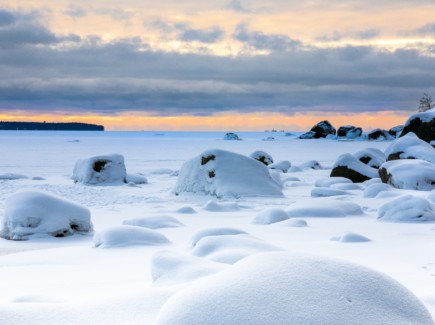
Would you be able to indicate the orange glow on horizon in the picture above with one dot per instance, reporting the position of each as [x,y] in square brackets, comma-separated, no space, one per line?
[230,122]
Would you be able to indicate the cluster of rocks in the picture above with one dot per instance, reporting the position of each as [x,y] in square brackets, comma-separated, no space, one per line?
[408,163]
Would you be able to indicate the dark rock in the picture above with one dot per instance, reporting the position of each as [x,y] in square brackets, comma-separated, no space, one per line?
[349,131]
[354,176]
[396,131]
[231,136]
[206,159]
[371,156]
[322,129]
[422,124]
[350,167]
[378,134]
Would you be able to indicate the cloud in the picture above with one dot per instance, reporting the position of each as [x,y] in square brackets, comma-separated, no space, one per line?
[237,6]
[428,29]
[75,12]
[360,35]
[6,18]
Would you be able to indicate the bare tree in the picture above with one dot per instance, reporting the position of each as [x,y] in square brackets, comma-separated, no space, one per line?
[426,103]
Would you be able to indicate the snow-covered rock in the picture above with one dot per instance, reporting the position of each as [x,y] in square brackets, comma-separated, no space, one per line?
[123,236]
[350,237]
[136,179]
[231,136]
[311,164]
[410,147]
[285,288]
[350,167]
[328,181]
[422,124]
[262,156]
[349,131]
[230,248]
[154,222]
[31,213]
[269,216]
[307,135]
[221,231]
[170,268]
[326,191]
[379,134]
[323,208]
[226,174]
[283,166]
[411,174]
[372,157]
[373,190]
[407,208]
[396,131]
[101,170]
[322,129]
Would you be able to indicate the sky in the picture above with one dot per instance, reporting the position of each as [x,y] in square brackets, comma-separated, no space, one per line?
[216,65]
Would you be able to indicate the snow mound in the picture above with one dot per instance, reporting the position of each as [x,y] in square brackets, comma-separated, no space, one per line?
[230,248]
[407,208]
[136,179]
[262,156]
[224,173]
[107,170]
[123,236]
[33,213]
[154,222]
[350,237]
[410,174]
[311,164]
[214,206]
[347,186]
[285,288]
[373,190]
[186,210]
[162,171]
[173,268]
[372,157]
[283,166]
[269,216]
[291,179]
[12,176]
[231,136]
[328,181]
[294,223]
[38,178]
[324,207]
[410,147]
[350,167]
[326,191]
[223,231]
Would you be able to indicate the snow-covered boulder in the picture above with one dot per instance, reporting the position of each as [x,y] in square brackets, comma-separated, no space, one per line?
[269,216]
[422,124]
[349,131]
[396,131]
[36,213]
[136,179]
[282,166]
[101,170]
[123,236]
[324,208]
[226,174]
[371,156]
[411,174]
[231,136]
[154,222]
[310,164]
[379,134]
[262,156]
[410,147]
[286,288]
[322,129]
[407,208]
[352,168]
[308,135]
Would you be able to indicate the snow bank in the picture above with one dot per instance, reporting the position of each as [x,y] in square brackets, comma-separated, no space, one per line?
[214,206]
[224,173]
[223,231]
[230,248]
[323,207]
[123,236]
[407,208]
[411,174]
[410,147]
[99,170]
[154,222]
[269,216]
[32,213]
[370,156]
[350,237]
[285,288]
[170,268]
[326,191]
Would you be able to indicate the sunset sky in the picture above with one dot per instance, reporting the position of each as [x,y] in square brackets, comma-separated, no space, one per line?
[216,65]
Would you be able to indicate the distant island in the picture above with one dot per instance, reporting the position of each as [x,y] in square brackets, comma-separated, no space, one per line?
[46,126]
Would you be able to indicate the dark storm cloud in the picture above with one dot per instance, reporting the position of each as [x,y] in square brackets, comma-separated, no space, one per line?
[127,74]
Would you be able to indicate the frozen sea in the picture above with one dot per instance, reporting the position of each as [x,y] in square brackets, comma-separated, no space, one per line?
[69,281]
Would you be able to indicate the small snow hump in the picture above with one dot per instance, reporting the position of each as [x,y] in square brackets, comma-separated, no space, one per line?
[123,236]
[269,216]
[154,222]
[350,237]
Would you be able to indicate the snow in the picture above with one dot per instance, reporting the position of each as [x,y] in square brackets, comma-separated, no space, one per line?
[12,176]
[67,280]
[269,216]
[410,174]
[136,179]
[31,213]
[226,174]
[410,146]
[286,288]
[425,117]
[262,156]
[99,170]
[408,208]
[350,237]
[221,206]
[326,191]
[123,236]
[373,190]
[328,181]
[371,156]
[154,222]
[283,166]
[352,163]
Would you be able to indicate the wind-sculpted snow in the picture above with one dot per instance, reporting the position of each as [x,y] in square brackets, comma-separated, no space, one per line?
[223,231]
[285,288]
